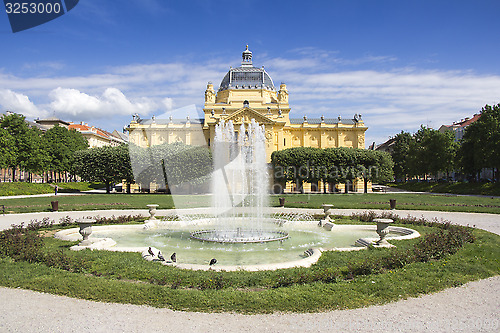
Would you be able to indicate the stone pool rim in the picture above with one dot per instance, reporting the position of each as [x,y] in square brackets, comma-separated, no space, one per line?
[108,244]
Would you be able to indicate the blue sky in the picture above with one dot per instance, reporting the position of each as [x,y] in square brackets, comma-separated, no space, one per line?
[398,63]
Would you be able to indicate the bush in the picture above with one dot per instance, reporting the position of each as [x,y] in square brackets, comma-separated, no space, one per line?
[21,244]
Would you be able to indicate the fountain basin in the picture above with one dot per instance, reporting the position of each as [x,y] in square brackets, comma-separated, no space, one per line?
[175,236]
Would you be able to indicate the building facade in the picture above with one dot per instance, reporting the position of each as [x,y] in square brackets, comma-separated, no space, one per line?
[97,137]
[247,93]
[458,127]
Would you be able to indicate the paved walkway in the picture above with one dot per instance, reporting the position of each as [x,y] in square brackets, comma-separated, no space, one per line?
[474,307]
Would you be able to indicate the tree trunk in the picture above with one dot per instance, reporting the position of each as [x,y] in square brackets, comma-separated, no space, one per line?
[108,187]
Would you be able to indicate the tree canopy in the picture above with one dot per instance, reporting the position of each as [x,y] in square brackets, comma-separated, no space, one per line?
[103,164]
[173,164]
[61,144]
[330,165]
[31,150]
[27,151]
[480,145]
[426,152]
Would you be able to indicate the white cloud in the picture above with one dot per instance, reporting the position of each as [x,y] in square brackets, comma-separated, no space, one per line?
[168,103]
[19,103]
[112,102]
[50,65]
[393,100]
[319,82]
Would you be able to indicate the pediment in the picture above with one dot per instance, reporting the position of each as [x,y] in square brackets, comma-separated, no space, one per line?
[246,114]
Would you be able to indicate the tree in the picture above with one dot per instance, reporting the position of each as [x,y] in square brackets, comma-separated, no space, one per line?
[330,165]
[376,166]
[103,164]
[429,152]
[8,150]
[171,164]
[400,153]
[29,154]
[61,144]
[448,158]
[295,165]
[480,146]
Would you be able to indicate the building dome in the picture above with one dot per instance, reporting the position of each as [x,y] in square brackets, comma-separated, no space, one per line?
[247,76]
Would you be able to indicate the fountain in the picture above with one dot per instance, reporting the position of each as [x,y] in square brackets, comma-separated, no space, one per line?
[240,185]
[240,230]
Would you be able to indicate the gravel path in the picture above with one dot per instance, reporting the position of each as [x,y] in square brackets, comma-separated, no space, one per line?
[474,307]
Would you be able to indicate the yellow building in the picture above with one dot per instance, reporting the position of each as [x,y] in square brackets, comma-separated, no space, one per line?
[247,93]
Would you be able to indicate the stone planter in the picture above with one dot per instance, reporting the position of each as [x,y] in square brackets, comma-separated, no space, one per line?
[327,210]
[383,230]
[85,230]
[392,203]
[152,211]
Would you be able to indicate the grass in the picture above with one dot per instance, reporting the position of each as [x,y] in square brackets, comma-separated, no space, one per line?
[101,202]
[25,188]
[22,188]
[126,278]
[362,201]
[403,200]
[453,188]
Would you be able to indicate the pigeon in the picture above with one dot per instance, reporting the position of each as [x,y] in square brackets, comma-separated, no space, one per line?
[160,256]
[213,261]
[173,257]
[150,251]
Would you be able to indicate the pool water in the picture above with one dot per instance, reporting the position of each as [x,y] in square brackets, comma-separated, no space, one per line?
[302,236]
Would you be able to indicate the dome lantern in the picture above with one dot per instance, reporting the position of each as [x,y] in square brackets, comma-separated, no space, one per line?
[247,58]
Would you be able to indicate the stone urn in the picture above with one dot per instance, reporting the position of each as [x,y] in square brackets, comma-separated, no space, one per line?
[152,211]
[383,230]
[327,208]
[85,230]
[392,204]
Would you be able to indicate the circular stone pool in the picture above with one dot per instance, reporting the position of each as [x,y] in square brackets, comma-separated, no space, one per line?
[175,236]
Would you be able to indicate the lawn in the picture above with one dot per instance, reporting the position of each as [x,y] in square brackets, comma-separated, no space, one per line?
[25,188]
[101,202]
[165,201]
[440,202]
[327,285]
[487,188]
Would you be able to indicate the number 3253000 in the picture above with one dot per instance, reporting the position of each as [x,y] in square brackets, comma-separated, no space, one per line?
[32,8]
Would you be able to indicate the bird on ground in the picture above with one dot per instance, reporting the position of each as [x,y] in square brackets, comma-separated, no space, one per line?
[150,251]
[213,261]
[160,256]
[173,257]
